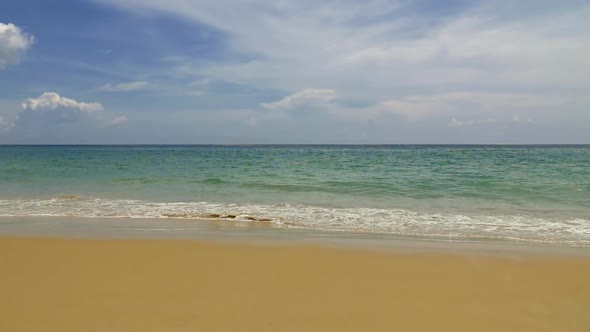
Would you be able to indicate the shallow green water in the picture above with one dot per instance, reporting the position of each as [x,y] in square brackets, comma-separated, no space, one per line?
[536,193]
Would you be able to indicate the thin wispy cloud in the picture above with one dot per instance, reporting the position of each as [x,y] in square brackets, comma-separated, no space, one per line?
[302,98]
[118,120]
[124,87]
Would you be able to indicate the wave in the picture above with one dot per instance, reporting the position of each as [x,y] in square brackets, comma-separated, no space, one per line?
[567,231]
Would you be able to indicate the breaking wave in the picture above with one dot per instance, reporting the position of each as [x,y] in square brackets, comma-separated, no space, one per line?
[566,231]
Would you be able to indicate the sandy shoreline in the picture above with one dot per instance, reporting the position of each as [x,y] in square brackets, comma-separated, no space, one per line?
[263,233]
[59,284]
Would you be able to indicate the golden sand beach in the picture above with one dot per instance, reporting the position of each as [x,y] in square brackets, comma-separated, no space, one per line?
[55,284]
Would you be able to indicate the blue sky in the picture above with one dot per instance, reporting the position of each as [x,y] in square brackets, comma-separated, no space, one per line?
[253,71]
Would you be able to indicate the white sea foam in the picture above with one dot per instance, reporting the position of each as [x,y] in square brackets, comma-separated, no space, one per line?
[574,231]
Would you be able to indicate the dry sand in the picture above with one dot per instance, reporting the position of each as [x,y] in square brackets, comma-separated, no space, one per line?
[49,284]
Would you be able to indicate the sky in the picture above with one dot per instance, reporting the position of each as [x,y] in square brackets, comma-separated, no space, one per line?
[294,72]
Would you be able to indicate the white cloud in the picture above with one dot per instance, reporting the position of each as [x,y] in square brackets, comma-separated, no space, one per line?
[302,97]
[52,100]
[13,44]
[481,107]
[484,60]
[373,49]
[52,110]
[466,102]
[124,87]
[118,120]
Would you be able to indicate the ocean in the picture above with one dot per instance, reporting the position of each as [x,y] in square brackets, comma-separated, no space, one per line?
[532,194]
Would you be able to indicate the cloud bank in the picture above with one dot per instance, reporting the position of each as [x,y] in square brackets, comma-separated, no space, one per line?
[13,44]
[381,71]
[376,47]
[483,58]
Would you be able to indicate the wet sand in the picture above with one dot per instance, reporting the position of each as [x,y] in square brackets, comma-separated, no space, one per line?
[59,284]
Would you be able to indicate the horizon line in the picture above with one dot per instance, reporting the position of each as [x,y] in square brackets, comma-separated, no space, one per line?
[294,144]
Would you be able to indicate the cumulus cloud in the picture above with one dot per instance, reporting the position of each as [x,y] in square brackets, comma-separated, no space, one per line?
[13,44]
[124,87]
[52,100]
[51,110]
[302,97]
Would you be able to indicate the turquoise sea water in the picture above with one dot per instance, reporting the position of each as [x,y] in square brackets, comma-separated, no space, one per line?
[523,193]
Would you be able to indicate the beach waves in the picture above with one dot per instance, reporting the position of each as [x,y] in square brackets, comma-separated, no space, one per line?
[520,227]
